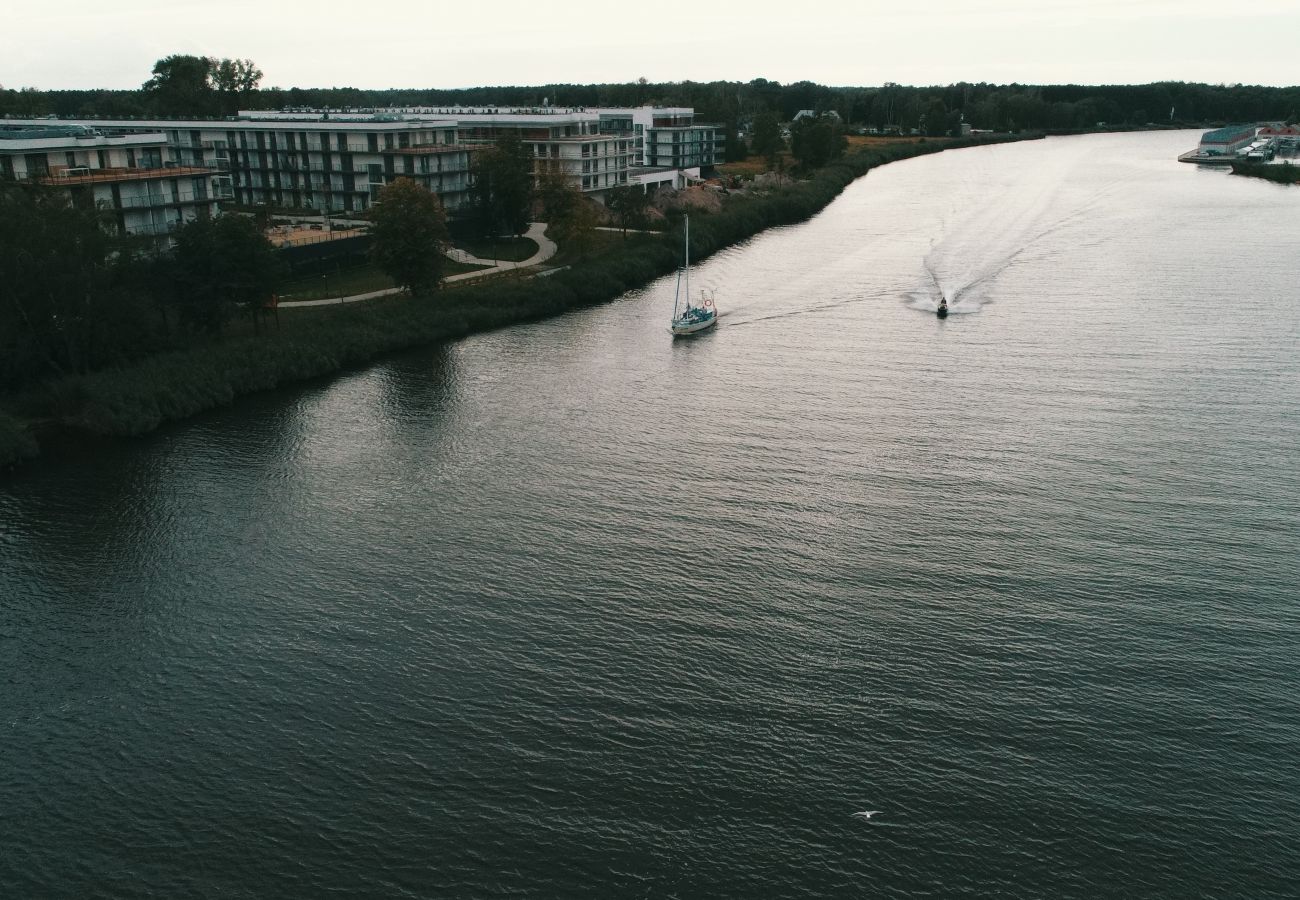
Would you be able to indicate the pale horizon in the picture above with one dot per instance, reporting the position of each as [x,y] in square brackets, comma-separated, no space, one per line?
[80,46]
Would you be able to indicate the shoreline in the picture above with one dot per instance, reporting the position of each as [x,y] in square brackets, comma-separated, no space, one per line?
[172,386]
[1278,174]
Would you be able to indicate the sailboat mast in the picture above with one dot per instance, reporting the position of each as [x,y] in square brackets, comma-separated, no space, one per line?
[688,261]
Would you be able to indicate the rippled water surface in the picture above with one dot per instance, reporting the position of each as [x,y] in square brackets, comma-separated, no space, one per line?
[572,610]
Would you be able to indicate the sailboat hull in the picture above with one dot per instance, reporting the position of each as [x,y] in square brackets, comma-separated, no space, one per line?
[693,327]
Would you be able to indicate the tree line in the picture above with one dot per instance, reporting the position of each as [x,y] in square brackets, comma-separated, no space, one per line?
[183,85]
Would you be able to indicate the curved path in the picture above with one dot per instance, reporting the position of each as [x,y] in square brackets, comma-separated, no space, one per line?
[536,232]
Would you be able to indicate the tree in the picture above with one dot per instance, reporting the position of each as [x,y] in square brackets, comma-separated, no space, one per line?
[735,147]
[815,142]
[53,268]
[503,187]
[575,228]
[555,191]
[222,264]
[181,86]
[767,136]
[571,220]
[234,80]
[628,203]
[935,118]
[408,233]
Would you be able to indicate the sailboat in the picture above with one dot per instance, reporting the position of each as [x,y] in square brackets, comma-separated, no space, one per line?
[693,318]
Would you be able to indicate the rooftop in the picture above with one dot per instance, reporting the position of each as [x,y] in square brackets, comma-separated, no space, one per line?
[1227,133]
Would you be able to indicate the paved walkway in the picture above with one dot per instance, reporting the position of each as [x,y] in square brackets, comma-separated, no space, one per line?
[536,232]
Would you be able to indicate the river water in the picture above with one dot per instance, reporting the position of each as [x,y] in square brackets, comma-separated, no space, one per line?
[572,610]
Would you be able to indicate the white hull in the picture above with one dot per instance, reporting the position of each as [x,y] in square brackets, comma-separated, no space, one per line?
[694,326]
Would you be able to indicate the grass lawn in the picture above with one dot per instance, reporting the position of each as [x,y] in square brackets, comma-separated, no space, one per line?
[601,242]
[506,249]
[355,280]
[753,165]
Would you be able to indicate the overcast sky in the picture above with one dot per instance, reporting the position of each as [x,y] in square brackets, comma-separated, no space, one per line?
[426,43]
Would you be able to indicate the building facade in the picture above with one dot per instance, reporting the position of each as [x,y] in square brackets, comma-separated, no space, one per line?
[1226,141]
[162,172]
[311,162]
[667,137]
[559,140]
[133,179]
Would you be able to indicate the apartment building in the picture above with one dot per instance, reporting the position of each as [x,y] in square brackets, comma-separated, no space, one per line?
[339,160]
[666,137]
[311,161]
[597,149]
[559,139]
[133,178]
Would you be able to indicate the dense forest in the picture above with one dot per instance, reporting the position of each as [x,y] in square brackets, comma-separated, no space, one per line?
[233,85]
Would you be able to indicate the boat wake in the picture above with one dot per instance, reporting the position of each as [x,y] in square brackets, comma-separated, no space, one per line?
[1012,224]
[805,310]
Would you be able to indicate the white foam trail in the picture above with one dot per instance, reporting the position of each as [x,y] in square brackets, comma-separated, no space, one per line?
[1005,224]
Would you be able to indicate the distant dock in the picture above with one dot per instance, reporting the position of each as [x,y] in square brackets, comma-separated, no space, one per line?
[1202,159]
[1245,143]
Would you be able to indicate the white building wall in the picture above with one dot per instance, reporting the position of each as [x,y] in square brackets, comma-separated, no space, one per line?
[129,177]
[313,162]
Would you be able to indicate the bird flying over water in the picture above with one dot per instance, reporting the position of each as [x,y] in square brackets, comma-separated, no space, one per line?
[867,814]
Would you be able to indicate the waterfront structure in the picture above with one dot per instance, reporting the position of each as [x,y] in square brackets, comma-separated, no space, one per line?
[1225,141]
[1251,143]
[309,161]
[140,186]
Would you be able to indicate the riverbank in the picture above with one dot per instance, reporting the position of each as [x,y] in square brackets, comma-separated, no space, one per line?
[1280,174]
[139,398]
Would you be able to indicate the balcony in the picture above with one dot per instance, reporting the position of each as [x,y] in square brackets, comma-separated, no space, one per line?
[63,177]
[428,149]
[154,228]
[157,200]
